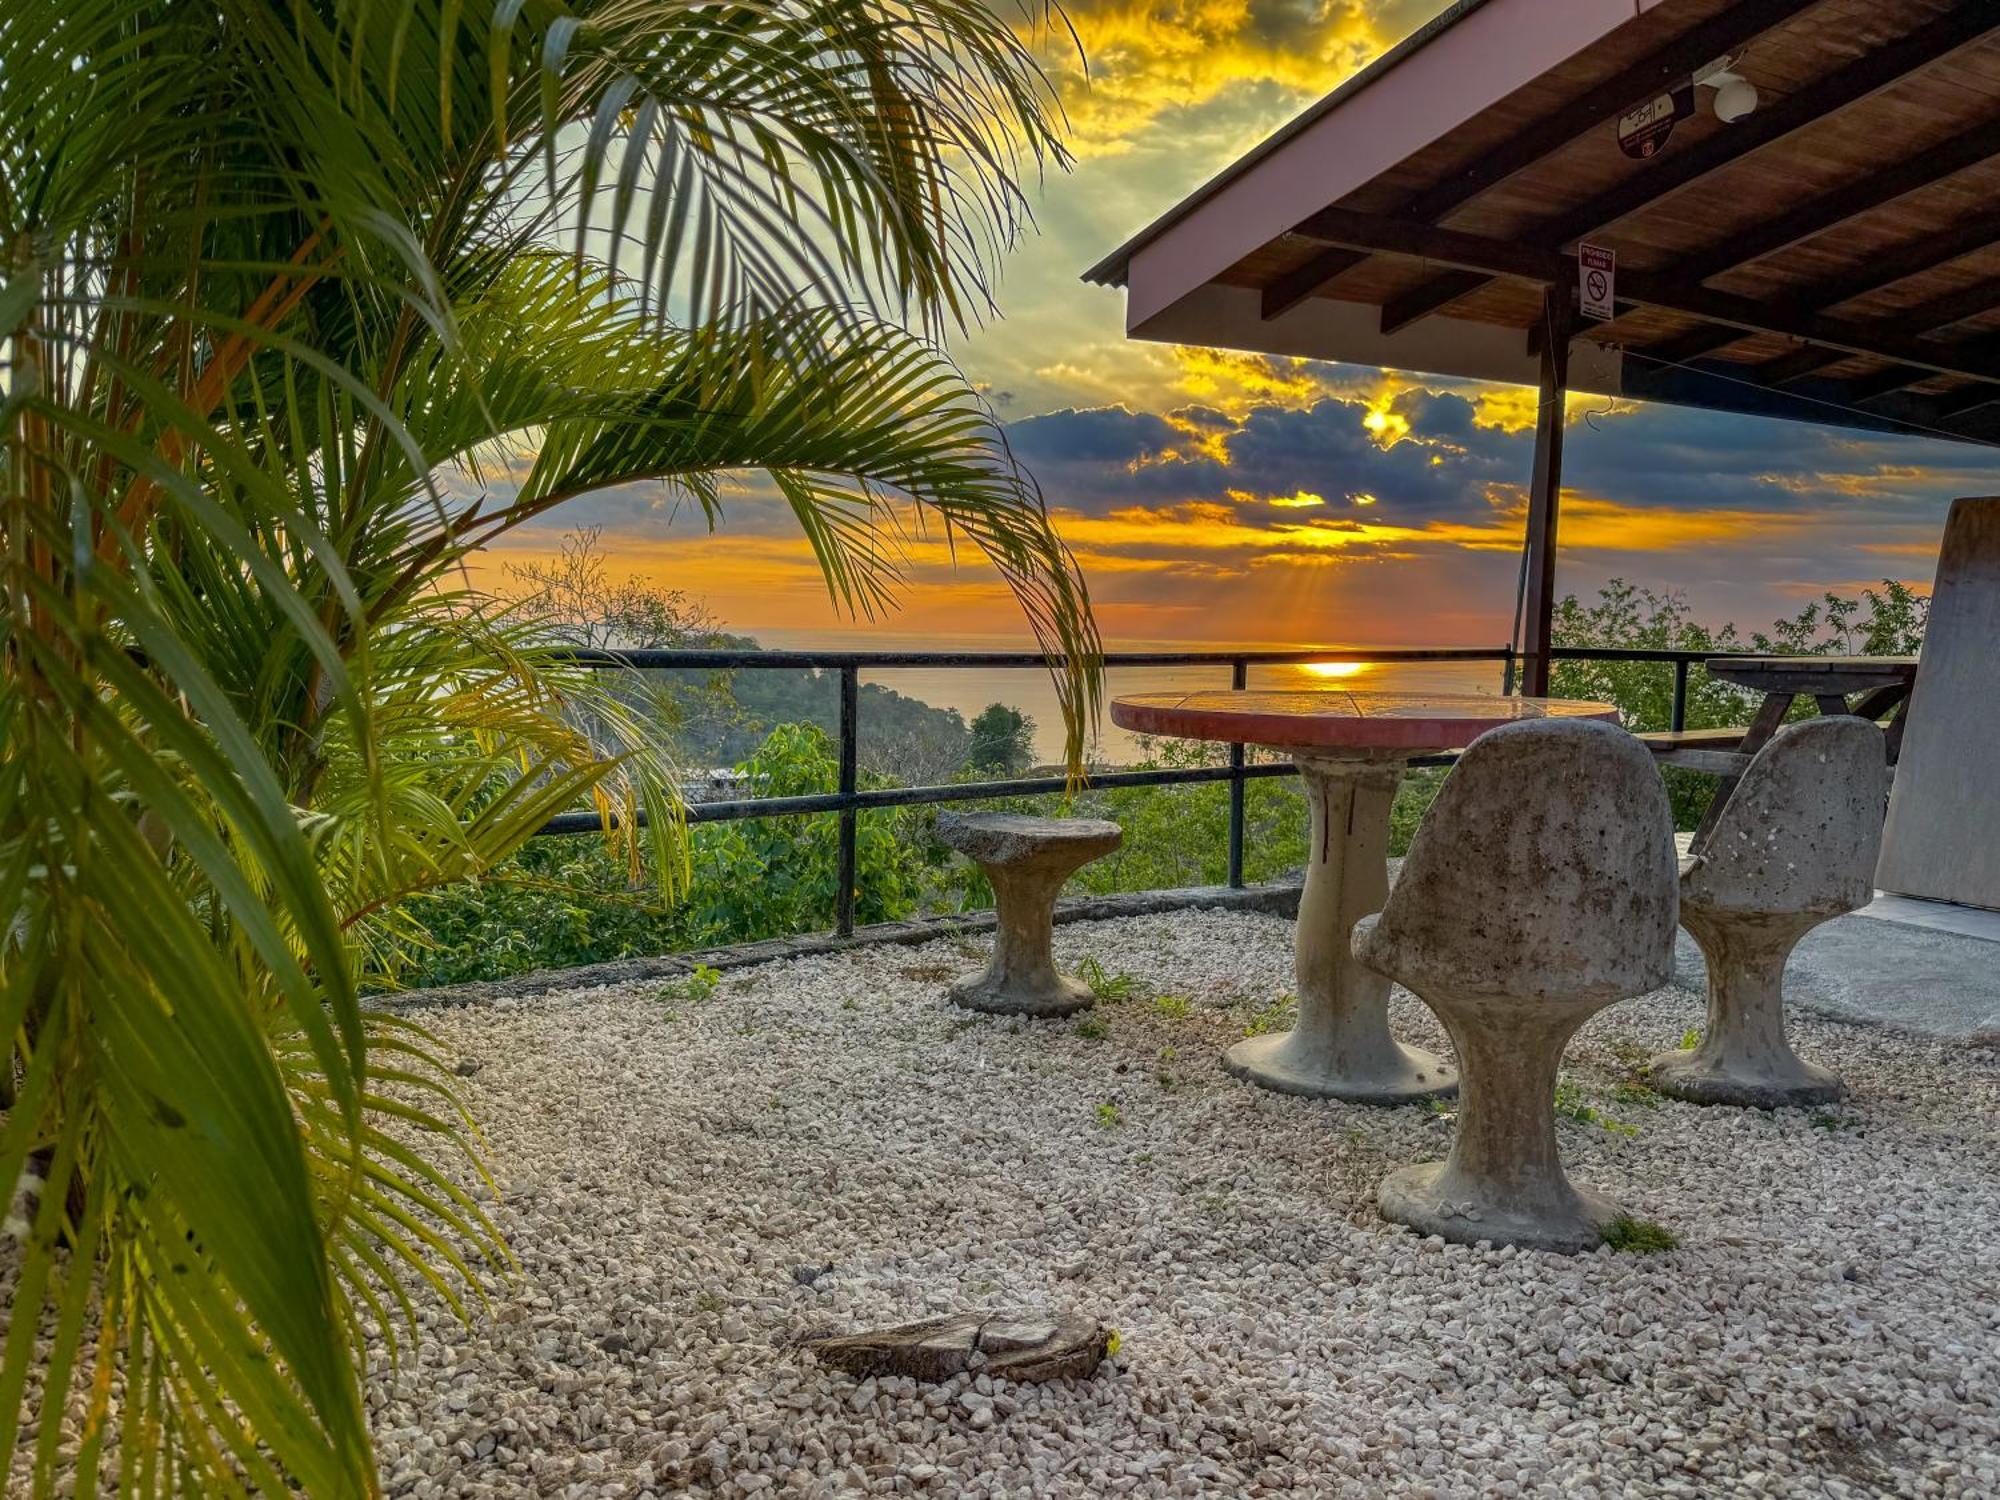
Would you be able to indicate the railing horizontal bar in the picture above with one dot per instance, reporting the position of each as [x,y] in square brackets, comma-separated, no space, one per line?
[867,660]
[889,797]
[971,791]
[1638,653]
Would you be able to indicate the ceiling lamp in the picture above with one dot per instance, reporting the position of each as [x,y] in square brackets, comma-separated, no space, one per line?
[1735,96]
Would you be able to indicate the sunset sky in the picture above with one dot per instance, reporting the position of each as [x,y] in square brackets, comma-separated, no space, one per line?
[1229,499]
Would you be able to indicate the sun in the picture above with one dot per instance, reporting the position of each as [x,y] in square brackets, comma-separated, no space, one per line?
[1335,668]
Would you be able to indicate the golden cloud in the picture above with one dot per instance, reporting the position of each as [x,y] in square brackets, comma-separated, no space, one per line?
[1143,58]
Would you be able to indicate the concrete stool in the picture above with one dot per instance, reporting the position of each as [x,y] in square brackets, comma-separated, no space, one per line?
[1539,889]
[1795,847]
[1026,860]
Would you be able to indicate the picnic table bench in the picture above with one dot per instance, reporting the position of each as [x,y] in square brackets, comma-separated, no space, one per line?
[1867,687]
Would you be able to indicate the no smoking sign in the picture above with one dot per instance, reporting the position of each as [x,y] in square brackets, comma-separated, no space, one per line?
[1597,273]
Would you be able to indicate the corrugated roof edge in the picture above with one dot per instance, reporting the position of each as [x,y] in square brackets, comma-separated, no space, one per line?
[1110,271]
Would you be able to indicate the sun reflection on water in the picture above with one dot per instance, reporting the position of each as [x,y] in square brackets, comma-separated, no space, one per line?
[1334,668]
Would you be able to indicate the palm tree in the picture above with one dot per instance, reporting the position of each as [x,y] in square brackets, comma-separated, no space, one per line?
[302,301]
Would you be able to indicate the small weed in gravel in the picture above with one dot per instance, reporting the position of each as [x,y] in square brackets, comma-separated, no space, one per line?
[1092,1029]
[1638,1236]
[1638,1095]
[1690,1039]
[1107,1115]
[1172,1007]
[1571,1105]
[690,989]
[1270,1017]
[1106,986]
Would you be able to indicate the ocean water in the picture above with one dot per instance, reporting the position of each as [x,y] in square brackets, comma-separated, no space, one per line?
[969,690]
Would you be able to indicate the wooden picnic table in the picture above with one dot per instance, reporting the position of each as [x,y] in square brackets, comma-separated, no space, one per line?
[1351,749]
[1866,686]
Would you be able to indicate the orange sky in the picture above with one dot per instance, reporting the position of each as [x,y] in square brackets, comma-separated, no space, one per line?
[1229,499]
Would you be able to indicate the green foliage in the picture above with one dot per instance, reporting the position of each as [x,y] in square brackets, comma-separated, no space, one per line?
[691,988]
[1172,1007]
[1571,1104]
[1639,1236]
[1885,621]
[1277,1015]
[1690,1039]
[1093,1028]
[566,901]
[1108,1115]
[1002,743]
[1109,987]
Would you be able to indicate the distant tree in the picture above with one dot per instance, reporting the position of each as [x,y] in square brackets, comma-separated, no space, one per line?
[1888,622]
[1885,622]
[573,598]
[1003,740]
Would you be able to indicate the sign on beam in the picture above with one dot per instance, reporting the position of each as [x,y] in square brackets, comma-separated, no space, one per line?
[1597,279]
[1643,131]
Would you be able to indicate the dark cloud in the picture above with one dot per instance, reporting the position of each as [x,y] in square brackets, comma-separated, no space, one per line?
[1103,458]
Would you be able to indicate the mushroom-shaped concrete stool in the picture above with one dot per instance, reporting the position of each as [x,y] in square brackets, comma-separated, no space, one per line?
[1795,846]
[1026,860]
[1539,889]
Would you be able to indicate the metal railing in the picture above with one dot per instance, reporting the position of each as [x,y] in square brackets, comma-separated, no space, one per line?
[849,801]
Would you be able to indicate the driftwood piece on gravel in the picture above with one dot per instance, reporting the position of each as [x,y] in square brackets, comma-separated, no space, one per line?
[1011,1345]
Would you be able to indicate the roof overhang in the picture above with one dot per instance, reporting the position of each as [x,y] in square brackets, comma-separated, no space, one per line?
[1828,259]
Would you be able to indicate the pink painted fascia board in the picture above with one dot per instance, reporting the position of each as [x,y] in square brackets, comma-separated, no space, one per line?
[1486,56]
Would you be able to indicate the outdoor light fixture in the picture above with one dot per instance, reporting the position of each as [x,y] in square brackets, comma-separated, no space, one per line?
[1735,97]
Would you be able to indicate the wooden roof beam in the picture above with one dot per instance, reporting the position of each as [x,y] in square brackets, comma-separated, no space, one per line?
[1925,317]
[1975,232]
[1978,356]
[1652,75]
[1491,258]
[1816,216]
[1845,86]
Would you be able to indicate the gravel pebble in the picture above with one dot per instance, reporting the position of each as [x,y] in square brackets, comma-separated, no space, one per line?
[826,1142]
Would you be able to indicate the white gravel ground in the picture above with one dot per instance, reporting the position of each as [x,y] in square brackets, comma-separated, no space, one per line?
[675,1173]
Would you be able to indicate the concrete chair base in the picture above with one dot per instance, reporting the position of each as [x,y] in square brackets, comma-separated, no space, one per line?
[1744,1058]
[1432,1199]
[1294,1062]
[1045,997]
[1503,1180]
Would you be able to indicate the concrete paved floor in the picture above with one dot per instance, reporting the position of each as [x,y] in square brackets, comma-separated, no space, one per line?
[1918,966]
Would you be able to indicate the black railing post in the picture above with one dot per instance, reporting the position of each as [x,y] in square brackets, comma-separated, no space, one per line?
[1239,678]
[1680,695]
[850,735]
[1507,674]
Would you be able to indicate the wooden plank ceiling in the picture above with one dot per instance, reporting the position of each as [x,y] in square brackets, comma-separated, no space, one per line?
[1840,244]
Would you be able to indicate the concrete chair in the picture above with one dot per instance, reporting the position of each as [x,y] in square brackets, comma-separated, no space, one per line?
[1026,861]
[1795,847]
[1539,889]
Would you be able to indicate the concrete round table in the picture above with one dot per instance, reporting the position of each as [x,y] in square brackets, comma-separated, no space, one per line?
[1351,749]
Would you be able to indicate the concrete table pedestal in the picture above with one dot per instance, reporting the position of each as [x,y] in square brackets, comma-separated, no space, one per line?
[1341,1047]
[1351,749]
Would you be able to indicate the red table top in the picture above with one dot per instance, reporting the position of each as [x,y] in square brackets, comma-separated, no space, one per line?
[1331,719]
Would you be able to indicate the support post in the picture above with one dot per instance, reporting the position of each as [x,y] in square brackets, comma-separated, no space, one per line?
[1545,490]
[1239,678]
[850,734]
